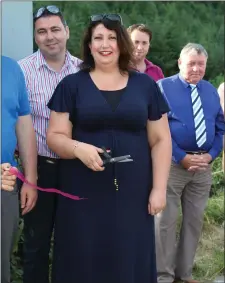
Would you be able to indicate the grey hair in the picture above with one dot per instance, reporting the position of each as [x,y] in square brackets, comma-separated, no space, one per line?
[193,47]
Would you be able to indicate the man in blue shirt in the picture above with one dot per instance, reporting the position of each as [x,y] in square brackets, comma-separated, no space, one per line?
[16,128]
[197,126]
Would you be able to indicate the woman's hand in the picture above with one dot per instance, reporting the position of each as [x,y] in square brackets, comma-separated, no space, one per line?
[156,201]
[89,155]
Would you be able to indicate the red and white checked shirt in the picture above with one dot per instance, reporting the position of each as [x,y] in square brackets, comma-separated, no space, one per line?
[41,82]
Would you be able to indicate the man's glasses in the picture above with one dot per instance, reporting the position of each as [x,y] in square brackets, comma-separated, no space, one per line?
[49,9]
[111,17]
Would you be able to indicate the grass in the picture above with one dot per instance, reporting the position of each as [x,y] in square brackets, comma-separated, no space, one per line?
[209,260]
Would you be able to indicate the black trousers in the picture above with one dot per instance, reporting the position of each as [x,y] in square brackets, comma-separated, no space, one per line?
[38,225]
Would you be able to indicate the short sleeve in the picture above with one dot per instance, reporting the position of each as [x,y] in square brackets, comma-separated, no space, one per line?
[63,98]
[157,105]
[24,106]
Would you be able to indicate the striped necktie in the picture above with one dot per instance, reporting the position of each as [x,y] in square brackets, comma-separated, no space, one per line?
[198,114]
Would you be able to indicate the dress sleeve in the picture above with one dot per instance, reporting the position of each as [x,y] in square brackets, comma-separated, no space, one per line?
[63,98]
[157,104]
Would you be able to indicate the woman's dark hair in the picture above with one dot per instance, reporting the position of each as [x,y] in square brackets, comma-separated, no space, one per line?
[126,61]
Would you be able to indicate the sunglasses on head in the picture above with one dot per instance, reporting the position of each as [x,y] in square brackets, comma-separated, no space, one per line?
[111,17]
[49,9]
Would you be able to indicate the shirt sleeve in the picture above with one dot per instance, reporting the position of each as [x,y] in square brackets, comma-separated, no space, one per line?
[178,153]
[62,99]
[24,106]
[217,145]
[158,105]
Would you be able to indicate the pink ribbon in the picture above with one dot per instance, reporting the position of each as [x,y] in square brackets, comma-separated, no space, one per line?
[19,175]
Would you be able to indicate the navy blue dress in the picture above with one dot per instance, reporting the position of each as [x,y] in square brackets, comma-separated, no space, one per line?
[109,237]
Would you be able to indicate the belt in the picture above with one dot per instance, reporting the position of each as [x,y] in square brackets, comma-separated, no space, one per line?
[44,159]
[196,152]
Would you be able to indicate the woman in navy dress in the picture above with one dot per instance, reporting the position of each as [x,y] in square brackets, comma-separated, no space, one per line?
[109,236]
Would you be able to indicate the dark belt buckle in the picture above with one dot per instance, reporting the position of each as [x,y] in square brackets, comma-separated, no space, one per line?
[50,161]
[196,152]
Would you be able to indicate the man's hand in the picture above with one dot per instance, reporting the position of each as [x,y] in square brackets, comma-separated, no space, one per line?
[28,198]
[201,162]
[187,162]
[8,180]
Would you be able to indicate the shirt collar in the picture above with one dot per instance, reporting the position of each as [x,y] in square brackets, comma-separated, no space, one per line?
[185,83]
[41,60]
[148,64]
[69,59]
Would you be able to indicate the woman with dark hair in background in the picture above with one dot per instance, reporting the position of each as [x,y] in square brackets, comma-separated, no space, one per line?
[109,236]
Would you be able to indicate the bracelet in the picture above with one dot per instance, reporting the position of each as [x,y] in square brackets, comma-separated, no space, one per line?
[75,146]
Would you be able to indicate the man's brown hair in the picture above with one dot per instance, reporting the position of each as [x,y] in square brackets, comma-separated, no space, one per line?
[142,28]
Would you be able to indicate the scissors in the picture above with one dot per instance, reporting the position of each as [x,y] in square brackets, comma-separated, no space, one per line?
[107,158]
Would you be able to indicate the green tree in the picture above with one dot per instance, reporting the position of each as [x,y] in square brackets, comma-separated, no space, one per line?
[173,24]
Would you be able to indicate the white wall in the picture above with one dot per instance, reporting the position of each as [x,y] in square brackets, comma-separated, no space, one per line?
[17,29]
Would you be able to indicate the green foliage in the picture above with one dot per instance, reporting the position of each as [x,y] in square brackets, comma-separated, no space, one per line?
[210,260]
[217,80]
[218,176]
[173,24]
[214,213]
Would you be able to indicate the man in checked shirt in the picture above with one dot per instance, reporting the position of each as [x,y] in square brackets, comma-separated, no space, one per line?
[43,70]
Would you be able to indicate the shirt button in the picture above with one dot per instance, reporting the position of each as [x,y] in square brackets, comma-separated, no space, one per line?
[183,125]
